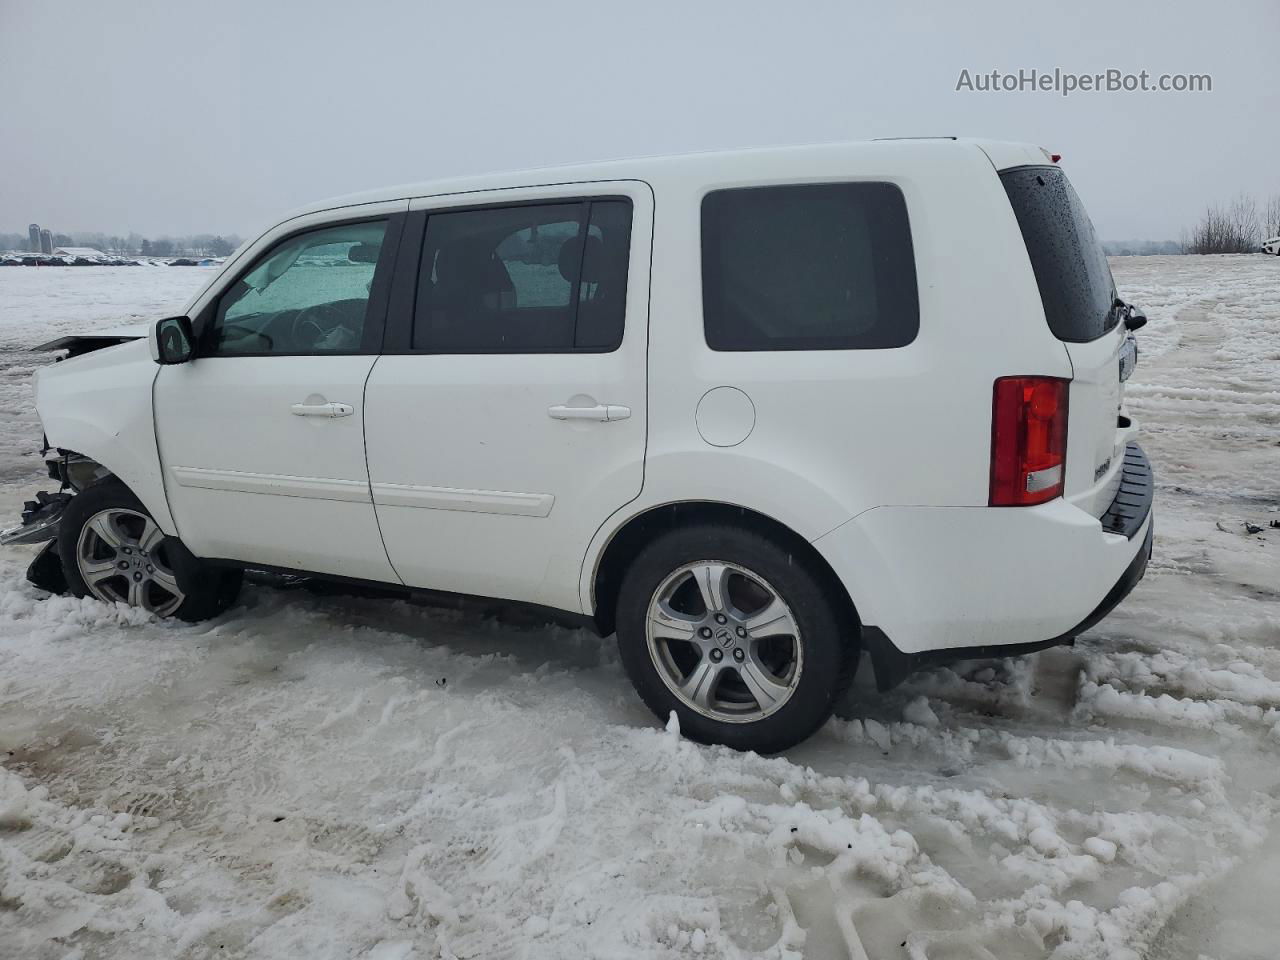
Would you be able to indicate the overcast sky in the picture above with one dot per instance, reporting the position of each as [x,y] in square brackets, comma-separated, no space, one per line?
[192,117]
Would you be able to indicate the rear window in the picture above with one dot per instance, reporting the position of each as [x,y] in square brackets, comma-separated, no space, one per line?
[1071,270]
[808,267]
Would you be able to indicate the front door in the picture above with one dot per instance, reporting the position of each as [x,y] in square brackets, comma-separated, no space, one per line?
[506,419]
[261,436]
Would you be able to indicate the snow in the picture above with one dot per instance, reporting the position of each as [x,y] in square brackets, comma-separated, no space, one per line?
[327,776]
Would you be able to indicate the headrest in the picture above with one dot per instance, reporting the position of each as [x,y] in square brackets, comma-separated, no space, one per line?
[571,254]
[471,264]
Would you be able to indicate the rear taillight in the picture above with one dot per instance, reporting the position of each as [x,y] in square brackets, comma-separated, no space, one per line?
[1028,440]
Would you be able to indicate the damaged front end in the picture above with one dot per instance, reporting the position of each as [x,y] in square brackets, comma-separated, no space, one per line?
[41,517]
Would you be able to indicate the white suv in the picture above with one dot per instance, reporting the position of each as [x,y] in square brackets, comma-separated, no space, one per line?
[757,412]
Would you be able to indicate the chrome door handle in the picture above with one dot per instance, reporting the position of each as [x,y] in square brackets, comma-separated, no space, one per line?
[600,412]
[329,410]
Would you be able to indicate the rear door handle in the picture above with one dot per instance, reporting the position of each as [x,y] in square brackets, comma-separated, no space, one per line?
[329,410]
[600,411]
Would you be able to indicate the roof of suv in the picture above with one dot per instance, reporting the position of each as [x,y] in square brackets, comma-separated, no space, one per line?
[1003,154]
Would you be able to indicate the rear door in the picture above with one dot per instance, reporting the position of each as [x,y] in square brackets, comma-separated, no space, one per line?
[506,418]
[1079,297]
[261,436]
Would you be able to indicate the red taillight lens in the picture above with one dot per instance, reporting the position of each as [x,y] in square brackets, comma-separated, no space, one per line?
[1028,440]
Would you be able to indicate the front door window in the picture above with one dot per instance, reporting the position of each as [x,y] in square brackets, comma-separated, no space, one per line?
[308,294]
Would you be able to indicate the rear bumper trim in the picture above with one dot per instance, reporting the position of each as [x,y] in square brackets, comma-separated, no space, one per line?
[1128,511]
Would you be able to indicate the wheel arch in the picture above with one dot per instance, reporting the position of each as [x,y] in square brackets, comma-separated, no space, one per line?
[643,528]
[92,443]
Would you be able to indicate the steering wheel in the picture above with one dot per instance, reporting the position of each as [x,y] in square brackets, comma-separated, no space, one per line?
[307,330]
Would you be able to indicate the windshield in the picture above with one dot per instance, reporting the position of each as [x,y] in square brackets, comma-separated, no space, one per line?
[1071,269]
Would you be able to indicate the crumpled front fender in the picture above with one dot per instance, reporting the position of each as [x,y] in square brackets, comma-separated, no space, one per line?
[99,405]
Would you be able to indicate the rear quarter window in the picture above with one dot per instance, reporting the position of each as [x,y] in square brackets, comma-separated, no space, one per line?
[1071,268]
[808,267]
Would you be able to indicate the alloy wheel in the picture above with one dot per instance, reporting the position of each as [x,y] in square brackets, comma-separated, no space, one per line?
[122,558]
[724,641]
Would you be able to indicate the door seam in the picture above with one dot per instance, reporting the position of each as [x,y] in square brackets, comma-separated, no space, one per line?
[368,470]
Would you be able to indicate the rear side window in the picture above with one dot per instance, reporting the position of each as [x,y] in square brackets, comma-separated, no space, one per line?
[1070,266]
[532,278]
[808,267]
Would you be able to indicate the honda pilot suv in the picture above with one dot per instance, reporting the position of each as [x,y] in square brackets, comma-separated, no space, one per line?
[756,412]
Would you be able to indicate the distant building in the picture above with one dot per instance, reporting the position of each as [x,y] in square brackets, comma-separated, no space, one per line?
[76,252]
[46,241]
[33,238]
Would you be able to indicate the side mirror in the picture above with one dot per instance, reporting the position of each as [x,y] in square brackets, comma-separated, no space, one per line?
[172,340]
[1135,320]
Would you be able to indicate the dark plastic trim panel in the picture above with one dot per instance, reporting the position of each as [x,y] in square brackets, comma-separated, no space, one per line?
[1128,511]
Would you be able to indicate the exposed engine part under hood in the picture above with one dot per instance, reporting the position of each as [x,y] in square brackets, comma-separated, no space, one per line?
[77,344]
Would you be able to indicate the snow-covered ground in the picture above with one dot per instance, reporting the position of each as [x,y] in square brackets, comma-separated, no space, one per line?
[325,776]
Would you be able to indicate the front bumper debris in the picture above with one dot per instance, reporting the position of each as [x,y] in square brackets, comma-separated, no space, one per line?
[40,518]
[46,570]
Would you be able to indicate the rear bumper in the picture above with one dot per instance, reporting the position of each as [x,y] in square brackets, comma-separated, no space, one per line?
[892,666]
[950,581]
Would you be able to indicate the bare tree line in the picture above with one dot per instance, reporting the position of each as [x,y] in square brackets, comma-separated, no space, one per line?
[1239,226]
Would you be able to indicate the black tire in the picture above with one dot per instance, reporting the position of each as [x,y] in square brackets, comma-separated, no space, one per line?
[826,637]
[208,589]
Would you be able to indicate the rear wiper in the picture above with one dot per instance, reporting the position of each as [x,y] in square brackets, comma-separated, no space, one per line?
[1132,316]
[1116,313]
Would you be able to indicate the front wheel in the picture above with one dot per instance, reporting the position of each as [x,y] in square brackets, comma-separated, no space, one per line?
[736,635]
[112,549]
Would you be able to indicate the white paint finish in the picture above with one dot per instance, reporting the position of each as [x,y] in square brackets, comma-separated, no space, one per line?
[854,441]
[322,409]
[840,432]
[595,411]
[1095,440]
[939,577]
[250,481]
[1005,154]
[99,405]
[238,481]
[725,416]
[489,423]
[472,501]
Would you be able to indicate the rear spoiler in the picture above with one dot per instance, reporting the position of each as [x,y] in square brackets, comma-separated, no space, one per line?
[77,344]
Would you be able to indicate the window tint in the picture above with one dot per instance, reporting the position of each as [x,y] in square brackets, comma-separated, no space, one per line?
[1070,267]
[810,267]
[308,294]
[544,278]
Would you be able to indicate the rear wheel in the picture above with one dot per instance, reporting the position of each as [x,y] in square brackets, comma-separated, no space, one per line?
[734,634]
[112,549]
